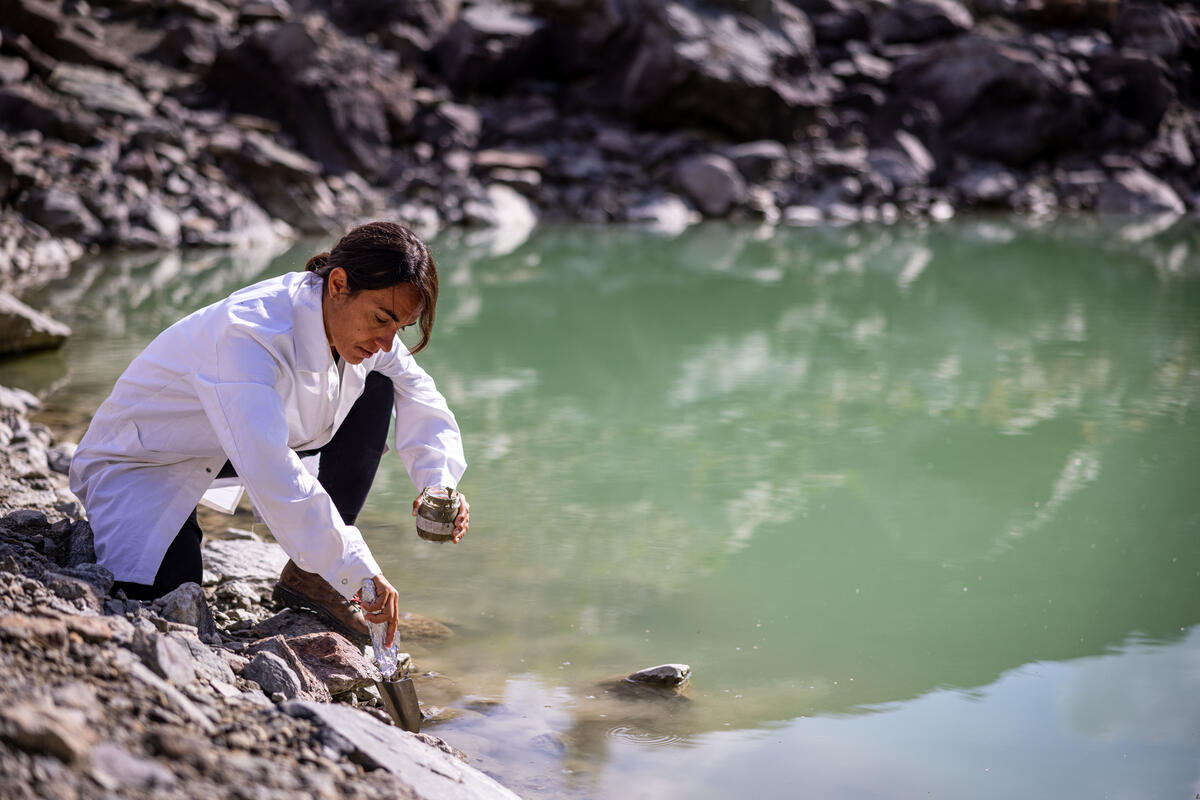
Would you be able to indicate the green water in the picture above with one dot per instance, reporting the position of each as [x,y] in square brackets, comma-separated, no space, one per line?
[918,505]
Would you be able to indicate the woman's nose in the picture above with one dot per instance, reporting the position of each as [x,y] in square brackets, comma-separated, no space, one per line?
[385,344]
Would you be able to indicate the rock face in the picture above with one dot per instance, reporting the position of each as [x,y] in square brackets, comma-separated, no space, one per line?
[209,122]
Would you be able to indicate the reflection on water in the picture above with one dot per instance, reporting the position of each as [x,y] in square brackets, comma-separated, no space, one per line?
[910,501]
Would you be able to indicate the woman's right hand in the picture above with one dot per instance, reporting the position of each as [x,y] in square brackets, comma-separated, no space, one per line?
[386,607]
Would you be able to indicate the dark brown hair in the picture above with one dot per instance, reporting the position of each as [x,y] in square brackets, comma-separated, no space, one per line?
[380,255]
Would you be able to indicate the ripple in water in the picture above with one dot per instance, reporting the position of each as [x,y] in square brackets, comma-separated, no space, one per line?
[629,734]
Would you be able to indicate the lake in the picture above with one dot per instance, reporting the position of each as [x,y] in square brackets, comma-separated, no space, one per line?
[917,504]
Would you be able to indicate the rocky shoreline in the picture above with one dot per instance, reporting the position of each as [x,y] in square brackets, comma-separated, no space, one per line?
[208,692]
[166,123]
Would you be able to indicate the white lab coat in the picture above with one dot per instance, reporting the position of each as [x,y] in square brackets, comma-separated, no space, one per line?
[250,378]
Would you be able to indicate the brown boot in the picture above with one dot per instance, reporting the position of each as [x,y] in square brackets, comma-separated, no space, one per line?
[299,589]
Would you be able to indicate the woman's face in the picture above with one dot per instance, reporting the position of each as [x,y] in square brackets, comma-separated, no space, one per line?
[360,325]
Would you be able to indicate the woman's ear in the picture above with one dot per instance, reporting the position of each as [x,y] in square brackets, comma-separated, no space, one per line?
[337,282]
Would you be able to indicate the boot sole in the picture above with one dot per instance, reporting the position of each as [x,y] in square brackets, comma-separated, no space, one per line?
[293,599]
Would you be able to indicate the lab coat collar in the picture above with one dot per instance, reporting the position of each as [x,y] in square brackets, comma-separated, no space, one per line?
[312,348]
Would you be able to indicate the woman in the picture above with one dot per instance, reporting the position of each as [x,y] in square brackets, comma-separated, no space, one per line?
[306,364]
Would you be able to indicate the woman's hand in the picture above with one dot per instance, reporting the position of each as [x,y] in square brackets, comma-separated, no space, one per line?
[386,607]
[461,522]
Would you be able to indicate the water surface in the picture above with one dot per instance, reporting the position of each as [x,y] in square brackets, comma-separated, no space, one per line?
[918,505]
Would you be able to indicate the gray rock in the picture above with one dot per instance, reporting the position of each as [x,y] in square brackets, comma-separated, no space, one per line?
[100,90]
[207,663]
[116,769]
[63,213]
[167,657]
[712,182]
[23,329]
[82,546]
[758,161]
[128,662]
[99,577]
[42,727]
[186,604]
[662,675]
[240,558]
[489,48]
[430,772]
[920,20]
[60,457]
[273,674]
[986,185]
[1136,191]
[78,591]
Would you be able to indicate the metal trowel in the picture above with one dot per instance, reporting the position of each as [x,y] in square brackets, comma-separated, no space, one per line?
[400,700]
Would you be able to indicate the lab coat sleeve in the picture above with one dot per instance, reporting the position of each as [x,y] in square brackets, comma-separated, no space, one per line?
[241,401]
[427,435]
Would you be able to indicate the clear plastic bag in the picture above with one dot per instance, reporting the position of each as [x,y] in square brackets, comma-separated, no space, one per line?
[387,658]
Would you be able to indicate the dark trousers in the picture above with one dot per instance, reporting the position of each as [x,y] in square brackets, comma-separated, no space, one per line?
[348,465]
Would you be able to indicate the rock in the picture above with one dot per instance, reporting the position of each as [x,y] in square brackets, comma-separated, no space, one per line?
[673,64]
[23,329]
[1135,92]
[290,623]
[240,558]
[74,589]
[62,213]
[310,686]
[100,629]
[489,48]
[1040,110]
[1135,191]
[167,657]
[332,94]
[664,213]
[920,20]
[100,90]
[712,182]
[339,664]
[207,664]
[662,675]
[116,769]
[186,604]
[273,674]
[27,107]
[12,70]
[41,727]
[61,454]
[1153,28]
[429,771]
[43,631]
[127,661]
[986,185]
[759,161]
[81,549]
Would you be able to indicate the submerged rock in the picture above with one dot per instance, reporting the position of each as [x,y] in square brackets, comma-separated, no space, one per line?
[23,329]
[668,675]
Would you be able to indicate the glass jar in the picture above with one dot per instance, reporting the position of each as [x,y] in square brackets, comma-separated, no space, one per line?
[436,514]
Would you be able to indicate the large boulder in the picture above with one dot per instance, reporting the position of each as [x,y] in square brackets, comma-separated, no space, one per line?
[488,48]
[919,20]
[23,329]
[751,72]
[1135,93]
[343,103]
[998,99]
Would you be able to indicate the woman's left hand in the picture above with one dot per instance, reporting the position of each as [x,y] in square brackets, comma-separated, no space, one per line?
[461,523]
